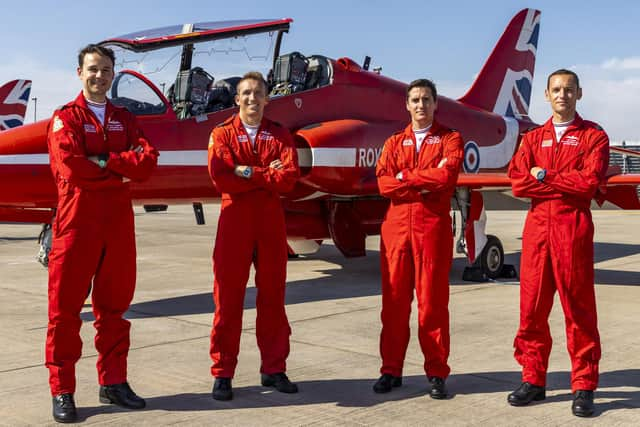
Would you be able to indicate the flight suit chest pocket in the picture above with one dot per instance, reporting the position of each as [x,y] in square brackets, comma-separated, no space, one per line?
[94,141]
[571,152]
[116,136]
[430,155]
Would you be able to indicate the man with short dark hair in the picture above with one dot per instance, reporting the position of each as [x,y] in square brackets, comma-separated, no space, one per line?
[95,148]
[252,161]
[417,170]
[560,166]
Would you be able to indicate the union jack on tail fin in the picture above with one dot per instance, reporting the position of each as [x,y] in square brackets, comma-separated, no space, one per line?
[14,97]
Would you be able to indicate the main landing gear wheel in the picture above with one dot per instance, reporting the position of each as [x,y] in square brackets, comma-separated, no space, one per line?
[490,264]
[491,259]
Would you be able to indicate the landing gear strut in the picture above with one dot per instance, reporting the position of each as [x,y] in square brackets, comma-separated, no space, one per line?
[489,263]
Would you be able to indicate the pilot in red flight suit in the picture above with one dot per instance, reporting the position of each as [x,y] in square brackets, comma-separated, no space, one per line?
[560,166]
[417,170]
[252,160]
[95,148]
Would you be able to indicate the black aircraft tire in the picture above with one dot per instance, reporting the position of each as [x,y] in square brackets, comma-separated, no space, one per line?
[492,257]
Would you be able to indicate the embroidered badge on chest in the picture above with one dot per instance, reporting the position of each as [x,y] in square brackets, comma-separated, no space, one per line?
[570,140]
[115,125]
[243,138]
[407,143]
[432,140]
[547,143]
[89,128]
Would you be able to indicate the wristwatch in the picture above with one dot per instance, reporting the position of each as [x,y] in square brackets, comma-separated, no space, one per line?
[541,174]
[102,160]
[247,172]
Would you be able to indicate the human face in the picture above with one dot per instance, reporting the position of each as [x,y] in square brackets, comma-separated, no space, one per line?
[421,106]
[563,93]
[251,98]
[96,75]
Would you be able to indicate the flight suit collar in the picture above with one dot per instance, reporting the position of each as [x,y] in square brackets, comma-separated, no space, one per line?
[576,124]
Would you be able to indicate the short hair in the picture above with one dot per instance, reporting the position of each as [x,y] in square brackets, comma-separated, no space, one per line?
[564,72]
[94,48]
[254,75]
[426,83]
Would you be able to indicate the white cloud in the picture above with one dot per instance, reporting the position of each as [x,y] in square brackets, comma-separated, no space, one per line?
[631,63]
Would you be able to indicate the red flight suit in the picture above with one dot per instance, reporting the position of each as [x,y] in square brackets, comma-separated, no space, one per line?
[251,229]
[417,244]
[93,237]
[557,246]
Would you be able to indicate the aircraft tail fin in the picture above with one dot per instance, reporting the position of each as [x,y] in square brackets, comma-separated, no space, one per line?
[503,86]
[14,97]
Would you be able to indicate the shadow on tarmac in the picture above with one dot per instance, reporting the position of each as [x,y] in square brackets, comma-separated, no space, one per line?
[358,393]
[339,283]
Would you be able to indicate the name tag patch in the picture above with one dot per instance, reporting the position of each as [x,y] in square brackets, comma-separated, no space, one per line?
[89,128]
[243,138]
[547,143]
[115,125]
[407,142]
[432,140]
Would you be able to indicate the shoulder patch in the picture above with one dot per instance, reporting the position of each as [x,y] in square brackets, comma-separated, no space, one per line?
[57,124]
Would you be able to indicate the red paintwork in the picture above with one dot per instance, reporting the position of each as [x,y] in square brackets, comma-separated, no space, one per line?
[358,110]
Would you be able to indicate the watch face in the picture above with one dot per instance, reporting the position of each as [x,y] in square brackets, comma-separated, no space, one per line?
[246,172]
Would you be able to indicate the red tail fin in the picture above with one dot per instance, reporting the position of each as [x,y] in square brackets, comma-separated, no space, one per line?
[504,83]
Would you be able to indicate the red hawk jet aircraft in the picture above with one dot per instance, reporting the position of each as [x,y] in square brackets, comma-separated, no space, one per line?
[180,82]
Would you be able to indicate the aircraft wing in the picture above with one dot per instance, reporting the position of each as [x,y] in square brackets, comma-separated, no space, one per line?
[623,190]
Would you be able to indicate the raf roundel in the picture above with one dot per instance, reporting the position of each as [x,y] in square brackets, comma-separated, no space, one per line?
[471,157]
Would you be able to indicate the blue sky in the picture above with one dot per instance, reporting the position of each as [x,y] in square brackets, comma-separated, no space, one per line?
[447,41]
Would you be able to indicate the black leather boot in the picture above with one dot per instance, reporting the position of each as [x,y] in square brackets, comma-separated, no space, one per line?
[121,395]
[280,381]
[222,389]
[386,382]
[438,388]
[64,408]
[525,394]
[583,403]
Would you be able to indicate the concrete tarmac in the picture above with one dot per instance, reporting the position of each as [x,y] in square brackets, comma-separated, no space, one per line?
[333,305]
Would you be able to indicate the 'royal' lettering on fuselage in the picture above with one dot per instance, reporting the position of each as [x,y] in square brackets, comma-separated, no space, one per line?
[368,157]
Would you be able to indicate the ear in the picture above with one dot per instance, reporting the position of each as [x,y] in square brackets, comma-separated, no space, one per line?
[546,95]
[237,100]
[79,71]
[579,93]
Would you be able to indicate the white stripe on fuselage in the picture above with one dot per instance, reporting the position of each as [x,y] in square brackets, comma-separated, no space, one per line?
[498,156]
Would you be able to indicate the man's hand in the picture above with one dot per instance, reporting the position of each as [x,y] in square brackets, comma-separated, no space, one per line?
[276,164]
[534,171]
[243,171]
